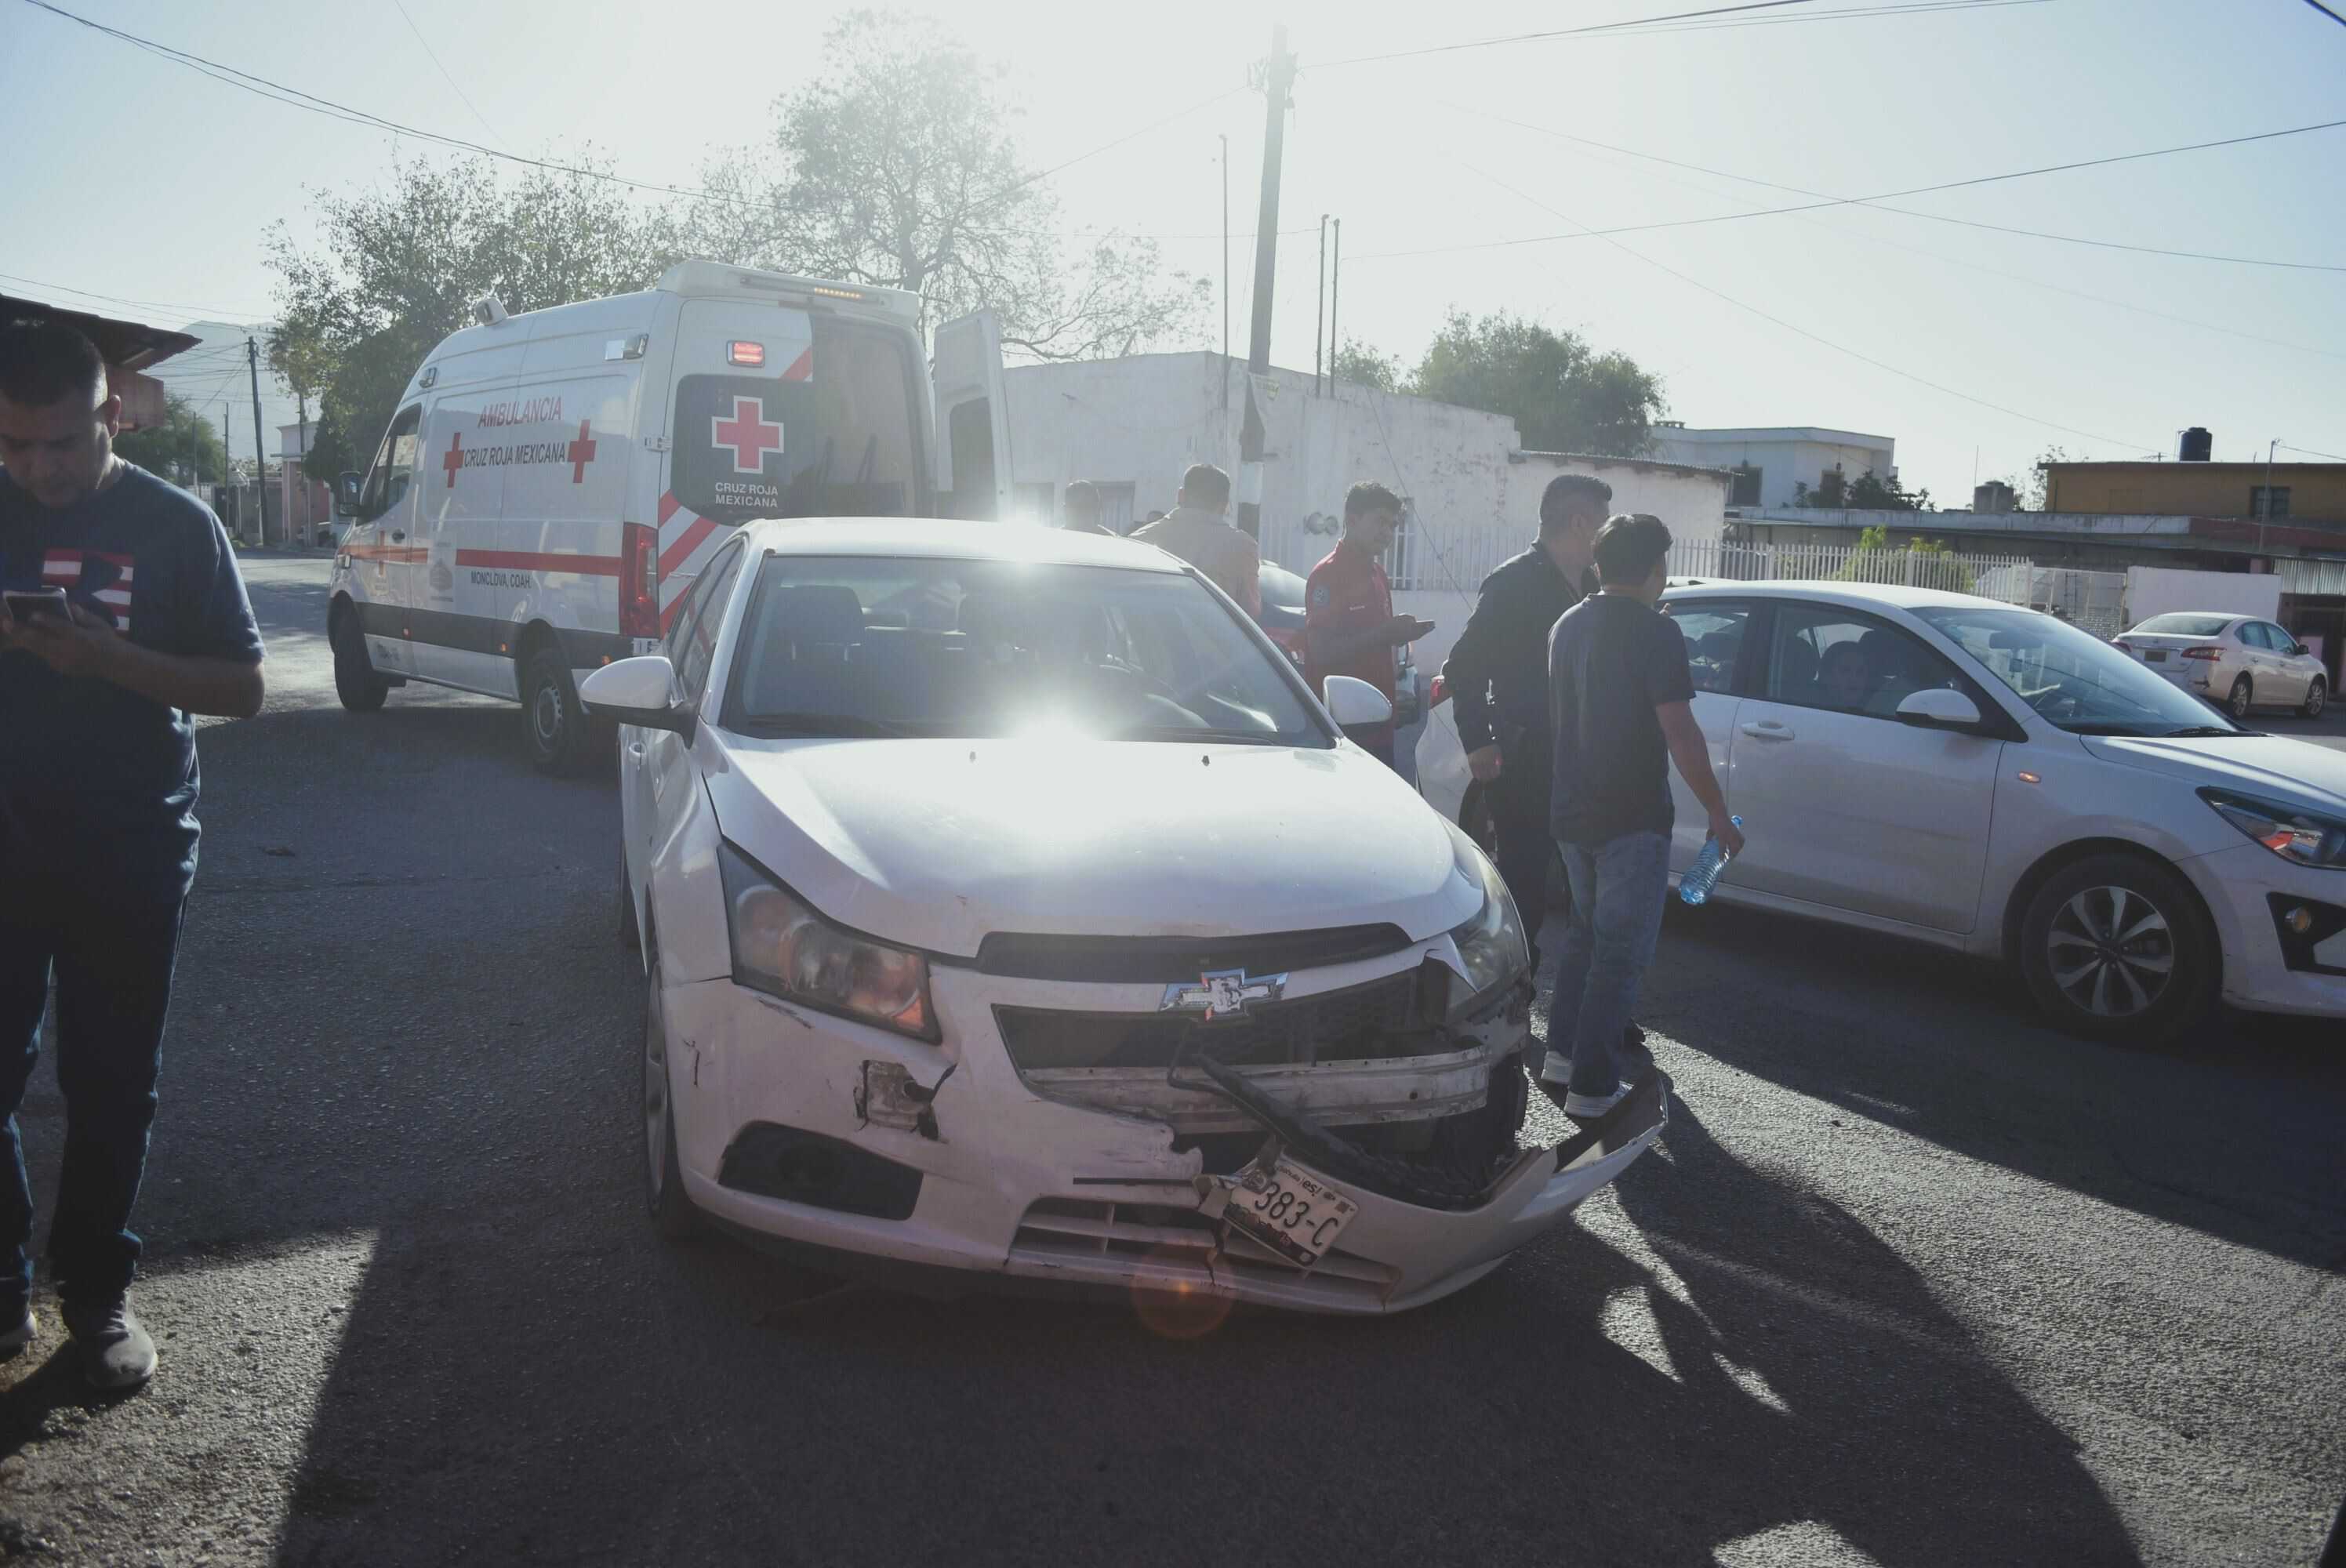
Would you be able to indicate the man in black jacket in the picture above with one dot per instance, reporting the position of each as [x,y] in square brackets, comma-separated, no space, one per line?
[1497,676]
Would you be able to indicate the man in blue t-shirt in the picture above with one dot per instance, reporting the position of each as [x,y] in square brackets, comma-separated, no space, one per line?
[124,619]
[1621,712]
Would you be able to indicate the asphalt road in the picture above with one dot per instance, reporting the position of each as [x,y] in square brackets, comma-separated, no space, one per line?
[1916,1281]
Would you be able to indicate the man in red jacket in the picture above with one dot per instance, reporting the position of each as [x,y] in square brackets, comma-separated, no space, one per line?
[1349,625]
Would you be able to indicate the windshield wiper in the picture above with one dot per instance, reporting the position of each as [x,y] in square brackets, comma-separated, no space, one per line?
[2196,731]
[1202,736]
[829,725]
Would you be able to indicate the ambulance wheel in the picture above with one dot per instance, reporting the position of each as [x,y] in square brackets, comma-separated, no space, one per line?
[362,691]
[673,1217]
[558,732]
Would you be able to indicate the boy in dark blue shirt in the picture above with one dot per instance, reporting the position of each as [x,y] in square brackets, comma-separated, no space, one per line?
[97,796]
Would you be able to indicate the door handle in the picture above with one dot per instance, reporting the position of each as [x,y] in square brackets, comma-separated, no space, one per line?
[398,534]
[1768,731]
[635,749]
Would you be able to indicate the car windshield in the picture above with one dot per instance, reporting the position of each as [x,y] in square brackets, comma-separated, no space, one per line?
[2183,625]
[910,647]
[2071,677]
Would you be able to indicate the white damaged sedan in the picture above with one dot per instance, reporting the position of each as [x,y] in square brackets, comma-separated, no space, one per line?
[1009,906]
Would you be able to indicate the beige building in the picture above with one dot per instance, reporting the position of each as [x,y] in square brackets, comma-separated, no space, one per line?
[2301,490]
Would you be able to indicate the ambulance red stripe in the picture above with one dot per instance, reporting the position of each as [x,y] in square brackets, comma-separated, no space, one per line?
[678,553]
[531,561]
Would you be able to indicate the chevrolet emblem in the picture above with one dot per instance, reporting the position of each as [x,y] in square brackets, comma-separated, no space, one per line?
[1222,996]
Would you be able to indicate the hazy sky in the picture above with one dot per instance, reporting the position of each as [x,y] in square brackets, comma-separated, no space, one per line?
[136,178]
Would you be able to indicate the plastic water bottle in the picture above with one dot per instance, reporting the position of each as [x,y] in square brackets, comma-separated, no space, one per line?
[1696,885]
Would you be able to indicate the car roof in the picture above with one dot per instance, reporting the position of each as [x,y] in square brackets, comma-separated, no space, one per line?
[949,539]
[1857,596]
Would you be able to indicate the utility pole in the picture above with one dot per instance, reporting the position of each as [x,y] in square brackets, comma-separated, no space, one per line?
[260,448]
[2264,511]
[1278,80]
[1226,271]
[1320,311]
[1335,293]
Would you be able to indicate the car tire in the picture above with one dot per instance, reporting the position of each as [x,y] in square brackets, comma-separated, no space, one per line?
[631,936]
[2317,695]
[2243,698]
[361,690]
[2117,947]
[673,1217]
[557,727]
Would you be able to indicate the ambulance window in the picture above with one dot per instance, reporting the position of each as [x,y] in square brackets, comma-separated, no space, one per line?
[394,467]
[708,618]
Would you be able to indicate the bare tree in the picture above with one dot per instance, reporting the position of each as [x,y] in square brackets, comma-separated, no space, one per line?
[898,166]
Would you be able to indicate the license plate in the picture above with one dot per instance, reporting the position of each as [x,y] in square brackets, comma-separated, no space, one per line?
[1289,1210]
[2156,656]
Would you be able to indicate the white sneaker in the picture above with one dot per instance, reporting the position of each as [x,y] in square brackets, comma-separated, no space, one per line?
[1589,1107]
[16,1336]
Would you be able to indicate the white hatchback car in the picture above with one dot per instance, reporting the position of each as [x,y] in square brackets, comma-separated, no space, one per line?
[1009,905]
[1996,781]
[2240,662]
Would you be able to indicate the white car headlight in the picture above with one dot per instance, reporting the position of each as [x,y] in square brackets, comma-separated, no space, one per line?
[782,947]
[1491,946]
[2292,832]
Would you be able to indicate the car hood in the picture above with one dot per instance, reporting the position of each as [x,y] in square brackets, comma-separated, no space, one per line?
[932,844]
[2271,765]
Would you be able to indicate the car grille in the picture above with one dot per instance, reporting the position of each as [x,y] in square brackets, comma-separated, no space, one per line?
[1388,1017]
[1113,959]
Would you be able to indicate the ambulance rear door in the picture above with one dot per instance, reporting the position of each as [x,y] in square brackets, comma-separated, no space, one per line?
[973,419]
[781,409]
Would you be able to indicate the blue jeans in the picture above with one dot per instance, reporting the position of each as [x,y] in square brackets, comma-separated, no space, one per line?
[113,966]
[1617,916]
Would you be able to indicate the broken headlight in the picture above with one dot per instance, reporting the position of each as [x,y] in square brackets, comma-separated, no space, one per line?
[2292,832]
[1492,949]
[782,947]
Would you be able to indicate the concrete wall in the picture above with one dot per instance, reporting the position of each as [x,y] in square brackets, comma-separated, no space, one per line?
[2316,490]
[1785,458]
[2156,590]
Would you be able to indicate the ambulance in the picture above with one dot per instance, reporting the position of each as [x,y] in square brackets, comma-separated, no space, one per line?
[552,482]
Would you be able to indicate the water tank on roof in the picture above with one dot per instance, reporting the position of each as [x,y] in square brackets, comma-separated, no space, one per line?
[2196,446]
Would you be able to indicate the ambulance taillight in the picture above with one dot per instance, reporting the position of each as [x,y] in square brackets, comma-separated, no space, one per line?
[639,581]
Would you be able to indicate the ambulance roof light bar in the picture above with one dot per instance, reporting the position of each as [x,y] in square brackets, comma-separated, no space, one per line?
[717,277]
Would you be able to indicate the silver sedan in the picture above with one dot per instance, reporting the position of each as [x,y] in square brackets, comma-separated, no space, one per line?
[2238,662]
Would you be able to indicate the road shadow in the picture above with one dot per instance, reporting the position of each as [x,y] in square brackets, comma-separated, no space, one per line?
[593,1398]
[2231,1133]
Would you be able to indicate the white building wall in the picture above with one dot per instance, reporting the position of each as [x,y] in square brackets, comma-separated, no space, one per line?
[1785,458]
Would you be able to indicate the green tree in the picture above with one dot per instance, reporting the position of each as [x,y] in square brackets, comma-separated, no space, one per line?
[2035,491]
[395,271]
[300,357]
[1919,563]
[1562,395]
[185,447]
[1357,364]
[1832,491]
[899,166]
[1869,493]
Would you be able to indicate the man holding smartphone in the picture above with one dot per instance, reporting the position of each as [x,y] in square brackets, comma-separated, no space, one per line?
[1349,625]
[123,617]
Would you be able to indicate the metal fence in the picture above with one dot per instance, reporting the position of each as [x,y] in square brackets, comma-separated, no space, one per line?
[2004,578]
[2094,600]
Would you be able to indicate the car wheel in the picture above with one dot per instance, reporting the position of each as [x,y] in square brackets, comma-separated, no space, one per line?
[631,936]
[673,1216]
[2115,947]
[556,726]
[2316,697]
[2243,698]
[361,690]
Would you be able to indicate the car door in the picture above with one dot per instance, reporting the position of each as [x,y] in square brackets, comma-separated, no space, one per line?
[667,758]
[638,820]
[972,458]
[2288,680]
[1717,651]
[383,558]
[1843,804]
[2245,653]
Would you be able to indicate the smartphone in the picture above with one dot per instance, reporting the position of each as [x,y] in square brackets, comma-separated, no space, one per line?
[23,606]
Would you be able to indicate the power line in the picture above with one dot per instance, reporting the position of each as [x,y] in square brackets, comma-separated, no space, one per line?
[1677,22]
[1917,249]
[2334,16]
[445,77]
[1583,233]
[2310,453]
[119,300]
[1812,337]
[295,97]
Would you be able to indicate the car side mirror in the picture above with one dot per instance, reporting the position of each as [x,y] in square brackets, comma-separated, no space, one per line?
[346,494]
[1939,708]
[1354,704]
[639,692]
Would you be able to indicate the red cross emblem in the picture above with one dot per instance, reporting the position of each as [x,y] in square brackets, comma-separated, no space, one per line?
[749,434]
[582,453]
[455,457]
